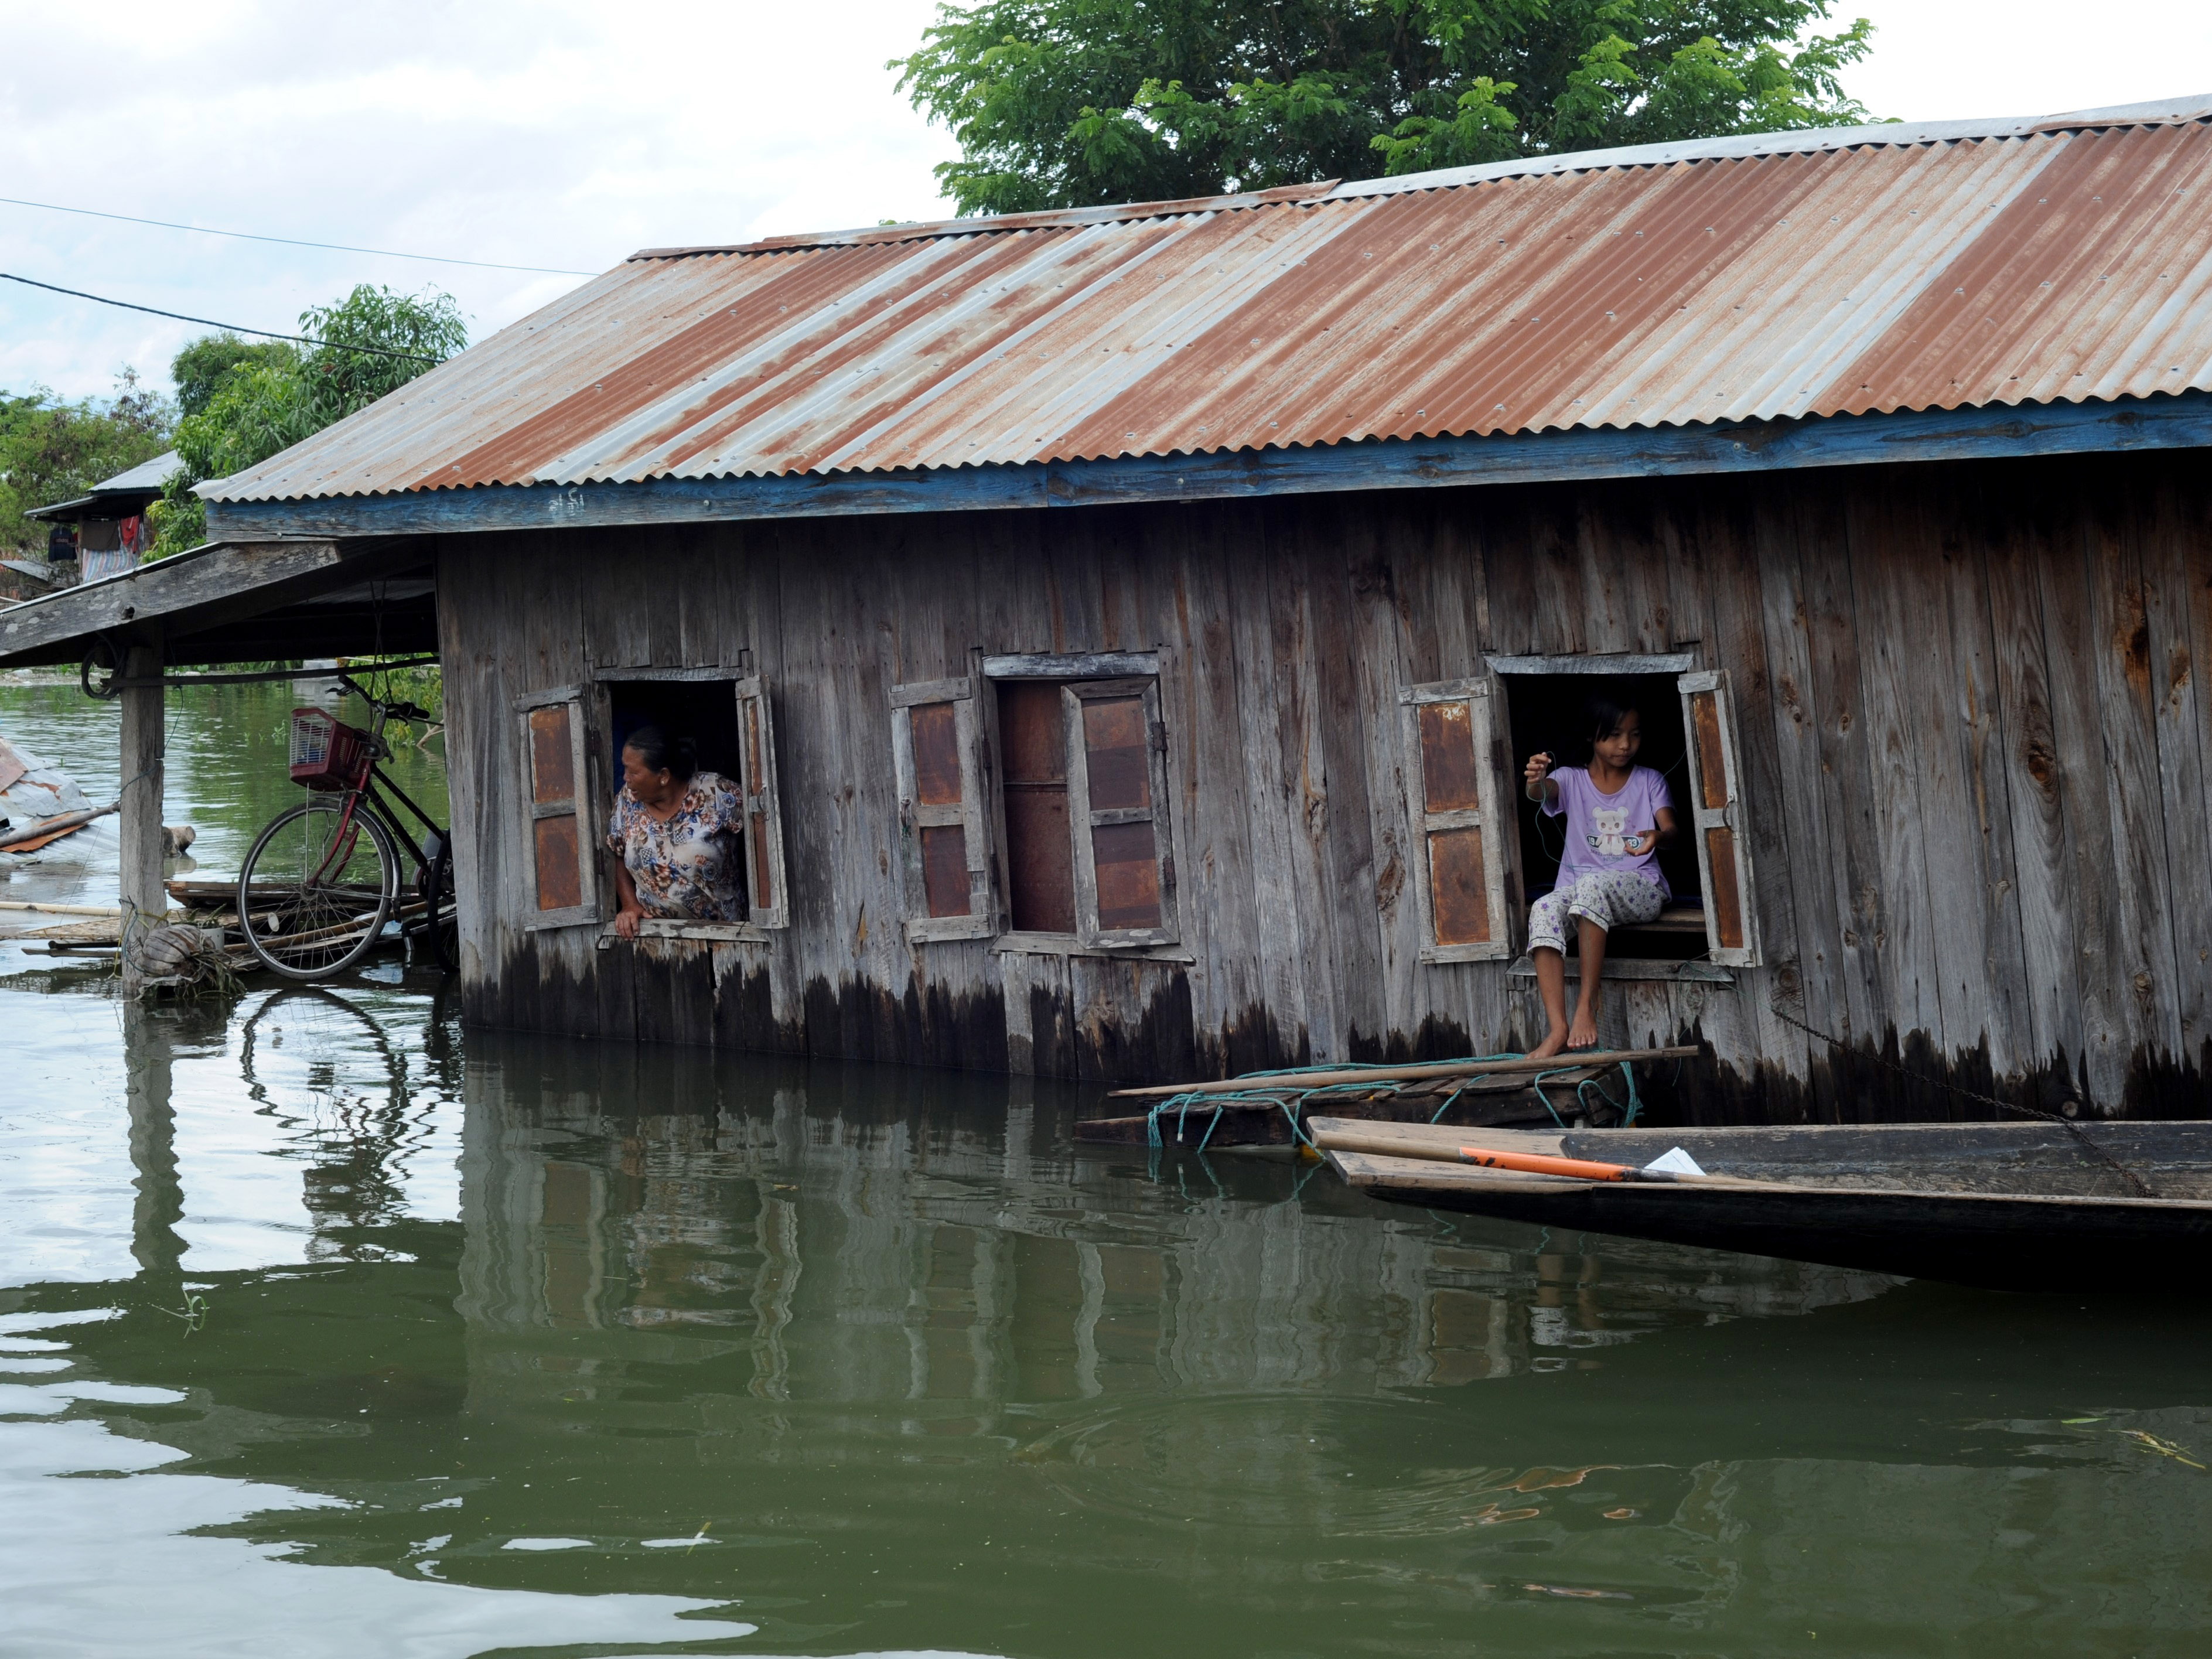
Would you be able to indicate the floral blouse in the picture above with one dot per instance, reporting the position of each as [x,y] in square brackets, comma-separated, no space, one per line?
[688,866]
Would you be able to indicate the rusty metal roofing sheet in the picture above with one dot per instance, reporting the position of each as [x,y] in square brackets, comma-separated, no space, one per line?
[1804,274]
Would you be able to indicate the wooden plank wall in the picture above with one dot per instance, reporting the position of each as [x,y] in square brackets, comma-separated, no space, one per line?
[1972,737]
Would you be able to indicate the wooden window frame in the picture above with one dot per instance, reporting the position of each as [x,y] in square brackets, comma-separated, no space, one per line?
[757,926]
[1477,693]
[971,814]
[1065,669]
[579,807]
[1727,815]
[1084,821]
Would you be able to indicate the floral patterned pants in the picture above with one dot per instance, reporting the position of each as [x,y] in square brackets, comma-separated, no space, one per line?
[1611,898]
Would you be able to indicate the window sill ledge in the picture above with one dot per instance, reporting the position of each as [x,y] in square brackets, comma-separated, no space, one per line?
[1066,944]
[1633,968]
[702,933]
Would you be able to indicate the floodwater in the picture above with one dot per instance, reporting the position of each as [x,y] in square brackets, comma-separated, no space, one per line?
[326,1327]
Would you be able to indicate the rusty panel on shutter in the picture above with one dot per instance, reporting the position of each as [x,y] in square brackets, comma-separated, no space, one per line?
[1127,859]
[552,755]
[1724,902]
[1458,885]
[945,869]
[1120,764]
[937,758]
[763,878]
[560,883]
[1450,781]
[1712,760]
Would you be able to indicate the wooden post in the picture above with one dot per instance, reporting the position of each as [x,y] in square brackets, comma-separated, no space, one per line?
[145,902]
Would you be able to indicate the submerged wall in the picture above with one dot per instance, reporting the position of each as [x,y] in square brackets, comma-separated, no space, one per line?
[1970,735]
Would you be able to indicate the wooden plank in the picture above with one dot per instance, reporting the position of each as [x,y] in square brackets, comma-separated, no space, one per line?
[1852,877]
[2071,642]
[1304,801]
[1348,851]
[1280,938]
[2175,545]
[1892,642]
[2119,424]
[1071,664]
[2184,527]
[2017,545]
[1806,969]
[2122,654]
[1221,913]
[1602,662]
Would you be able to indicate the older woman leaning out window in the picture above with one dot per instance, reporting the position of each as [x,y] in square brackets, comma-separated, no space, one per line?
[675,831]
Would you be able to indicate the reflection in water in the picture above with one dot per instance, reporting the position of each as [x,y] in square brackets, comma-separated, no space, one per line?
[557,1345]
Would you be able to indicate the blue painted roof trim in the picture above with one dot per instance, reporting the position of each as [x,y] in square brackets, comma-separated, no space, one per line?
[2180,421]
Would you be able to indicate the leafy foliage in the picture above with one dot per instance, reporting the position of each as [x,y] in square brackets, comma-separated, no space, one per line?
[1074,103]
[51,449]
[244,402]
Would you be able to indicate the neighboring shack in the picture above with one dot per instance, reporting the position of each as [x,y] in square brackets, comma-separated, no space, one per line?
[1127,624]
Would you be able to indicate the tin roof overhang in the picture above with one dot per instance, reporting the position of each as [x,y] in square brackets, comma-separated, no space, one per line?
[240,602]
[1770,293]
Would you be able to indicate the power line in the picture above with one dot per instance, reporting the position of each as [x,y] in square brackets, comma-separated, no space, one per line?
[293,241]
[228,328]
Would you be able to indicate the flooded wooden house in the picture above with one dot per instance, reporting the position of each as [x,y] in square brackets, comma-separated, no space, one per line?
[1127,624]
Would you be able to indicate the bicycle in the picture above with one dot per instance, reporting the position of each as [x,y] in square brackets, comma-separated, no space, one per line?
[323,881]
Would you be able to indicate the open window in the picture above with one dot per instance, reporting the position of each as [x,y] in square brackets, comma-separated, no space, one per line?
[1544,699]
[1457,853]
[560,886]
[731,721]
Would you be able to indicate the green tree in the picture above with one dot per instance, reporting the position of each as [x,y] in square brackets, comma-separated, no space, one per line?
[52,449]
[245,402]
[1074,103]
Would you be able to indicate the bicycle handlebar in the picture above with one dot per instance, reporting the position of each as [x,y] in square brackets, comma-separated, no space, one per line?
[400,710]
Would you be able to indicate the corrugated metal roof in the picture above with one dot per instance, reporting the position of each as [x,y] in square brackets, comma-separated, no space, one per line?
[1801,274]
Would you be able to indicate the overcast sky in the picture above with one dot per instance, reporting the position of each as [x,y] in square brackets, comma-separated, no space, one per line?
[568,134]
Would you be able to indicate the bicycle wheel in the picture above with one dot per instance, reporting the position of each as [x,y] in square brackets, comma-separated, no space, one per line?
[318,888]
[434,885]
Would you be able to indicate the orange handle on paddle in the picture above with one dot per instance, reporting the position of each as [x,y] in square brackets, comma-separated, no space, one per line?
[1540,1163]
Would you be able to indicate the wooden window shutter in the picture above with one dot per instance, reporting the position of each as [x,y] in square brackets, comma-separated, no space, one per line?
[937,749]
[1457,851]
[1125,882]
[1723,848]
[560,867]
[768,901]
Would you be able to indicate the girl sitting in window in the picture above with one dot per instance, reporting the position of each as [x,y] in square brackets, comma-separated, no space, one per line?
[674,834]
[1618,816]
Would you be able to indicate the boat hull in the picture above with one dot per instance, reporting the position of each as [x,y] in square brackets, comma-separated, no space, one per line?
[2014,1207]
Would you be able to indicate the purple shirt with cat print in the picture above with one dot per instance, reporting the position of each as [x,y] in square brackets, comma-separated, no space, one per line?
[1598,824]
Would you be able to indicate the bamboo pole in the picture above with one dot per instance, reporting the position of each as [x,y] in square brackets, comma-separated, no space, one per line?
[1559,1062]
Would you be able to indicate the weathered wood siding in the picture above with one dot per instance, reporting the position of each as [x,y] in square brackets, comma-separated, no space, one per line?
[1971,737]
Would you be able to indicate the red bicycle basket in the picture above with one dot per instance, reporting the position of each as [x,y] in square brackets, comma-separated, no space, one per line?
[326,753]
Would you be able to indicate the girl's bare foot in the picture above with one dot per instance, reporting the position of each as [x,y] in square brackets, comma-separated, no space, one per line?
[1583,1034]
[1554,1040]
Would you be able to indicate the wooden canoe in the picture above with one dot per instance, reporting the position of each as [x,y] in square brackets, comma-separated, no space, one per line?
[2011,1205]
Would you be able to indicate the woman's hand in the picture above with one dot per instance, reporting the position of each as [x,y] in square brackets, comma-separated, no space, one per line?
[1640,842]
[626,921]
